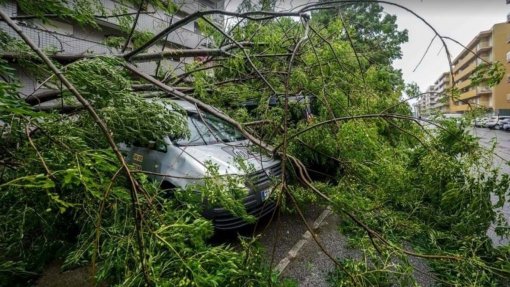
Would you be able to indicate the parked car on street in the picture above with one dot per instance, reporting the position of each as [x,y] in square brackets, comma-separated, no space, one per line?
[505,124]
[177,163]
[495,122]
[481,122]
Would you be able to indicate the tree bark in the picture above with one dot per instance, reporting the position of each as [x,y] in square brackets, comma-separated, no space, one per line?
[145,57]
[47,95]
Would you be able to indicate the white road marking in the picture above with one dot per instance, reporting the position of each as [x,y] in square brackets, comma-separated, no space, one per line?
[294,251]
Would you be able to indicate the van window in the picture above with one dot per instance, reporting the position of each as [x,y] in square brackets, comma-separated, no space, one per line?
[207,129]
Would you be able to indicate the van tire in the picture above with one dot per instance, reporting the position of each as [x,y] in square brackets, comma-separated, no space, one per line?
[168,188]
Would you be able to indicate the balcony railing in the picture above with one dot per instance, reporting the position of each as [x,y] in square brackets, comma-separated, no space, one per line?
[468,94]
[466,71]
[483,45]
[463,84]
[438,105]
[481,60]
[483,90]
[62,43]
[185,36]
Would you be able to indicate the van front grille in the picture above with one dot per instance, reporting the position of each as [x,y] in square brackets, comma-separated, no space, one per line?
[253,202]
[264,178]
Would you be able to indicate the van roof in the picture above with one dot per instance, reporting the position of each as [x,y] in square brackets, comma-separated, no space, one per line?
[185,105]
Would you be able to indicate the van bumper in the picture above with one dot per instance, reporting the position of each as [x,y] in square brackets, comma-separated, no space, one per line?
[227,221]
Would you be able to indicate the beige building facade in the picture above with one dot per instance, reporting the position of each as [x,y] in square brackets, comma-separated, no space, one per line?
[488,46]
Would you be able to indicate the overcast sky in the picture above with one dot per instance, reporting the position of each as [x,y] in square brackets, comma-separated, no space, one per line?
[461,20]
[458,19]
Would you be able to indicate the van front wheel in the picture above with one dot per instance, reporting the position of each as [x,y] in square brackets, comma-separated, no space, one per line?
[168,189]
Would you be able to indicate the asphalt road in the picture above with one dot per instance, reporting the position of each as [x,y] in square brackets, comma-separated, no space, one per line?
[310,267]
[501,139]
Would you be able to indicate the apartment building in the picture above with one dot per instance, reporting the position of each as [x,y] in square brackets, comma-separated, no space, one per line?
[424,102]
[441,88]
[435,99]
[71,38]
[488,46]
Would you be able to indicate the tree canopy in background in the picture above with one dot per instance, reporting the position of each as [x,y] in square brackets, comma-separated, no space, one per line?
[373,33]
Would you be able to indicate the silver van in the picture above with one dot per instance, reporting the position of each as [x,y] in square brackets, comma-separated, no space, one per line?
[181,162]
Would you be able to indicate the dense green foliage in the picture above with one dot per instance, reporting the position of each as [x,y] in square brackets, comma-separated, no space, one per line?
[435,197]
[429,191]
[424,190]
[63,195]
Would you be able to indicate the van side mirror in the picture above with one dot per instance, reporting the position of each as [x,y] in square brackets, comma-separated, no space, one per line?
[157,146]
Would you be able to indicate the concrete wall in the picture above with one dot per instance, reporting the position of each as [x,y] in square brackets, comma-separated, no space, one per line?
[68,37]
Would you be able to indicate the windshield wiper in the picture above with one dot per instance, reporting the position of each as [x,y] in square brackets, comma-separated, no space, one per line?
[207,125]
[198,131]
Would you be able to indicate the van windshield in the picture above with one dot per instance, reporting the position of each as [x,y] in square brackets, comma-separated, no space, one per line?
[207,129]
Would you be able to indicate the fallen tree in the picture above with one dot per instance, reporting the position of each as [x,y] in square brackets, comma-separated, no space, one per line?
[142,57]
[362,134]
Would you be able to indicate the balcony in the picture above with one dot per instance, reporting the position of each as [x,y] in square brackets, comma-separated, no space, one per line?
[192,6]
[468,95]
[483,45]
[485,104]
[185,36]
[482,60]
[466,59]
[463,84]
[483,90]
[62,43]
[438,105]
[459,108]
[480,48]
[466,71]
